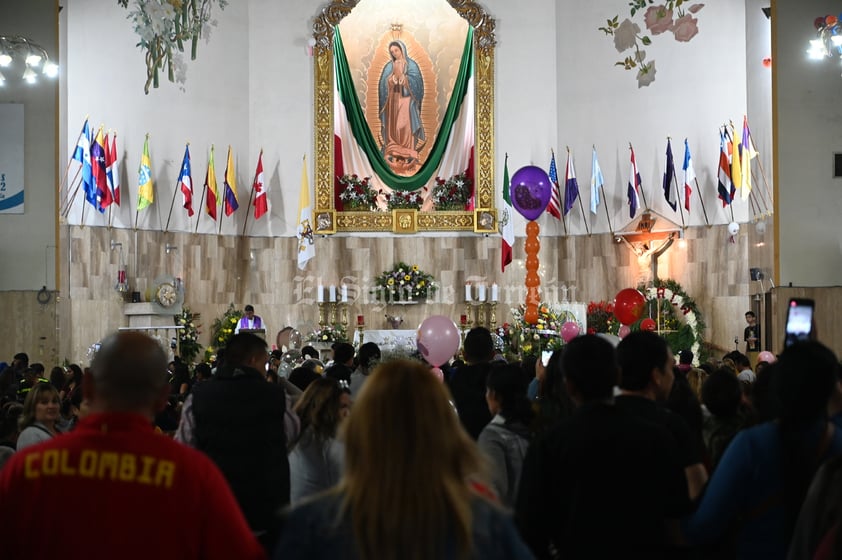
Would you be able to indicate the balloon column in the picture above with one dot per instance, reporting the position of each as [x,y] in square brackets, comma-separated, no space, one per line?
[530,191]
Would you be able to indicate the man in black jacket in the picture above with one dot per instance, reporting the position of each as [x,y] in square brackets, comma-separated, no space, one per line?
[237,419]
[467,384]
[603,483]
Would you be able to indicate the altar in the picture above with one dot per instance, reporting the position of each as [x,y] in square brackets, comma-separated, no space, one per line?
[389,340]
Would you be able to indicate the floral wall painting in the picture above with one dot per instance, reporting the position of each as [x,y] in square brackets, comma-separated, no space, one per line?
[404,104]
[673,16]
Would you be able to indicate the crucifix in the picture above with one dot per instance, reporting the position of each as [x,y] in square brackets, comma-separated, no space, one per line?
[648,246]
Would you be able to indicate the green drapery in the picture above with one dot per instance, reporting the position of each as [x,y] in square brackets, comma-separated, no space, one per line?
[364,137]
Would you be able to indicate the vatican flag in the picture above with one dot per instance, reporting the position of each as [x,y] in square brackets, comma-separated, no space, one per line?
[306,248]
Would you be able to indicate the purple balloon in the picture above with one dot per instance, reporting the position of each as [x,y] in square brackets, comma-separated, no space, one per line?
[530,191]
[438,339]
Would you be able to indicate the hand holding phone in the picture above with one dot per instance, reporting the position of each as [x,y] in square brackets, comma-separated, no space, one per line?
[799,321]
[545,357]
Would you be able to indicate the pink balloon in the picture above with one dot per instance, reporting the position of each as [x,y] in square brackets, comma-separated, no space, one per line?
[438,373]
[767,357]
[569,331]
[438,339]
[624,331]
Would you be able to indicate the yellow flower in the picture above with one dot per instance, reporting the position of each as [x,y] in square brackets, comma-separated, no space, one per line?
[406,277]
[233,320]
[324,337]
[390,281]
[415,268]
[221,339]
[420,283]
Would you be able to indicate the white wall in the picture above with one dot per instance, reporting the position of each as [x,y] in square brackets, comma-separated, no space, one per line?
[808,128]
[27,250]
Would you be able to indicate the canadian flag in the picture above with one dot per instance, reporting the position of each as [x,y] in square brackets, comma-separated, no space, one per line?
[261,203]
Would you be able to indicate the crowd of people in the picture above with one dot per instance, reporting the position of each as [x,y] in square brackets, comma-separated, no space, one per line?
[597,452]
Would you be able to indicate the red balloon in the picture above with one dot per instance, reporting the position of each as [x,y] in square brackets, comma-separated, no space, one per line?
[648,324]
[628,306]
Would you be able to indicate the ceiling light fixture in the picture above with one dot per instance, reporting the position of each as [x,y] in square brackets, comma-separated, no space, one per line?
[17,50]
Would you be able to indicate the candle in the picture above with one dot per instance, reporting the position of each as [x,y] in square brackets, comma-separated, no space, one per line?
[495,294]
[332,290]
[481,296]
[360,320]
[467,292]
[320,293]
[344,293]
[463,319]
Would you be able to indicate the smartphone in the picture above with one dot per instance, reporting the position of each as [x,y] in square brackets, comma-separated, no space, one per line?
[545,357]
[799,320]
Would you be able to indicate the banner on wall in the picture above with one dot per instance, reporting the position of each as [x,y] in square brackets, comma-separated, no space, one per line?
[11,158]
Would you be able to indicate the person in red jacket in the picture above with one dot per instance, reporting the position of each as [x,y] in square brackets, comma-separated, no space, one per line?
[136,494]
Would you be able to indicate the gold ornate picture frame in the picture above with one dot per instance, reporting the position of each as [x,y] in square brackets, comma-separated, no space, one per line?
[483,157]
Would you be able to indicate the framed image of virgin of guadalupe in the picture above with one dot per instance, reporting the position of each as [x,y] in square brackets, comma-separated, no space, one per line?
[404,105]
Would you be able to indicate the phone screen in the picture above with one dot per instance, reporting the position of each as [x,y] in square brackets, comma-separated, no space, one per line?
[799,321]
[545,357]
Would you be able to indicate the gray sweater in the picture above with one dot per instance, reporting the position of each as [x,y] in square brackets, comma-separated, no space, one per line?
[505,447]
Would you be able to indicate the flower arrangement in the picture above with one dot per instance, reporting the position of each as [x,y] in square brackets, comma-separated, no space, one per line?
[222,330]
[452,194]
[401,199]
[658,19]
[601,318]
[357,193]
[546,333]
[188,335]
[329,333]
[405,283]
[164,26]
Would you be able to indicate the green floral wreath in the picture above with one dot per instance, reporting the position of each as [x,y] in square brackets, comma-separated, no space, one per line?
[686,335]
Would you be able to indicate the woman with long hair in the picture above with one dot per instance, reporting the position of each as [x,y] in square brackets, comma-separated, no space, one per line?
[315,458]
[410,487]
[764,474]
[553,402]
[41,412]
[505,439]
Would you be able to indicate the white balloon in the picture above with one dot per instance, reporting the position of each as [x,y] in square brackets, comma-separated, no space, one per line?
[733,228]
[761,227]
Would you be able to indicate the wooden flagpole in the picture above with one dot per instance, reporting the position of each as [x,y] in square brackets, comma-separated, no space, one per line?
[677,190]
[251,195]
[642,190]
[702,200]
[175,193]
[579,196]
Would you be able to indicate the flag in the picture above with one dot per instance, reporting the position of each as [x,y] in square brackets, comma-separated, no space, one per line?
[748,153]
[634,186]
[597,181]
[261,204]
[230,180]
[669,174]
[103,193]
[212,200]
[82,154]
[508,217]
[724,185]
[112,168]
[736,156]
[146,189]
[571,186]
[185,181]
[306,248]
[553,206]
[689,175]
